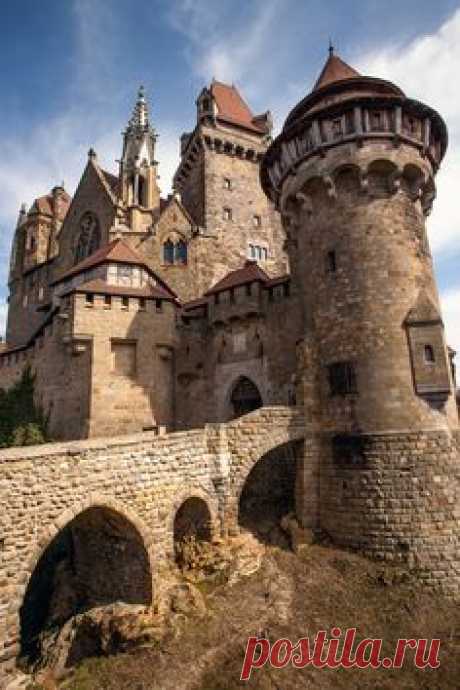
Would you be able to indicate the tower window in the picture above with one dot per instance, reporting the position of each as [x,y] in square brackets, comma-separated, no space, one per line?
[89,238]
[227,214]
[89,299]
[429,354]
[257,253]
[180,252]
[227,183]
[331,262]
[342,378]
[337,129]
[124,302]
[376,120]
[257,221]
[108,301]
[168,252]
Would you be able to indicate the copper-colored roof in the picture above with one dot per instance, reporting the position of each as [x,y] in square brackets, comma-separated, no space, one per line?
[232,108]
[112,181]
[279,280]
[44,204]
[195,303]
[117,251]
[100,287]
[334,70]
[250,273]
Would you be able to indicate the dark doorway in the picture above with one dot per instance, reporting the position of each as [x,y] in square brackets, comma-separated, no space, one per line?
[245,397]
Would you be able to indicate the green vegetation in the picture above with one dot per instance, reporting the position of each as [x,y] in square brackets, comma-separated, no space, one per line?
[22,422]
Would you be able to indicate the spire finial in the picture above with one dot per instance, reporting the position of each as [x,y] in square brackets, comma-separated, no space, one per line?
[331,47]
[140,115]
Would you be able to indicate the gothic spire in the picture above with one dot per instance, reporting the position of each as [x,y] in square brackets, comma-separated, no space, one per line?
[140,117]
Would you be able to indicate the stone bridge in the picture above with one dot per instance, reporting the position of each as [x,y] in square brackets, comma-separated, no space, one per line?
[119,499]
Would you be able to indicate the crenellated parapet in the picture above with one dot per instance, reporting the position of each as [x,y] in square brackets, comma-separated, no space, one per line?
[344,119]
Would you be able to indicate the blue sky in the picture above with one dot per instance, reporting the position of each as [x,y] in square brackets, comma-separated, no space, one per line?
[70,70]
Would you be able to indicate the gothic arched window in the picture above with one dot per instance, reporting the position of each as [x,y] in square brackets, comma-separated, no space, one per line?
[89,238]
[180,252]
[168,252]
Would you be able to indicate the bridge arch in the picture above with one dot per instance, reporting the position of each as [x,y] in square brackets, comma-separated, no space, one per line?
[94,554]
[267,436]
[268,490]
[199,511]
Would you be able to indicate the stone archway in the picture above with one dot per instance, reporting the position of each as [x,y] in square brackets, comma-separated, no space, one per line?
[193,521]
[98,558]
[244,397]
[268,493]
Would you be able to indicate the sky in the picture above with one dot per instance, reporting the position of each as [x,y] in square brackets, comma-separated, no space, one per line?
[70,70]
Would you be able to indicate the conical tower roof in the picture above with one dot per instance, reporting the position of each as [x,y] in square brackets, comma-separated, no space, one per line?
[335,69]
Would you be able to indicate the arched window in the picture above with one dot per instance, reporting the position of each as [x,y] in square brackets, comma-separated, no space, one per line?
[175,251]
[89,238]
[180,252]
[168,252]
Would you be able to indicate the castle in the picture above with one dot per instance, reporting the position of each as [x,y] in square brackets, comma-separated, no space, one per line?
[131,308]
[284,295]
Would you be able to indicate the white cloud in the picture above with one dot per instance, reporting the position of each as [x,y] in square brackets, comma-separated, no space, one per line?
[450,301]
[231,51]
[3,313]
[427,69]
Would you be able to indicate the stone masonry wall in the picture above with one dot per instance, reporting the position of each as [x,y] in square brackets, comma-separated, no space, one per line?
[397,498]
[144,478]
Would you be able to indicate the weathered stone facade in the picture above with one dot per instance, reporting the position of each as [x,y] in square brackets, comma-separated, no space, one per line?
[182,315]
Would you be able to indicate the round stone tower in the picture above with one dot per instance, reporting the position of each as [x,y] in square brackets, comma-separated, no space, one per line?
[352,174]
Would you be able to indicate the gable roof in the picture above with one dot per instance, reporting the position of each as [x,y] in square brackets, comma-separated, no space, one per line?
[251,272]
[335,69]
[232,108]
[112,181]
[117,251]
[44,204]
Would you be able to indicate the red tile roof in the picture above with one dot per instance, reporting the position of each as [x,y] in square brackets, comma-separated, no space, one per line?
[117,251]
[280,280]
[334,70]
[112,181]
[232,108]
[195,303]
[100,287]
[250,273]
[44,204]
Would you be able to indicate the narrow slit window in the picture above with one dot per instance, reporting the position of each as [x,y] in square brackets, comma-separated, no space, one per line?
[429,354]
[331,262]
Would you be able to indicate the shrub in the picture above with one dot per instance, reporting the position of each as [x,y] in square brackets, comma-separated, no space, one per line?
[22,422]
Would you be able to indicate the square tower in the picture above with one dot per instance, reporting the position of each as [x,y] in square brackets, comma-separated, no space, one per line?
[218,180]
